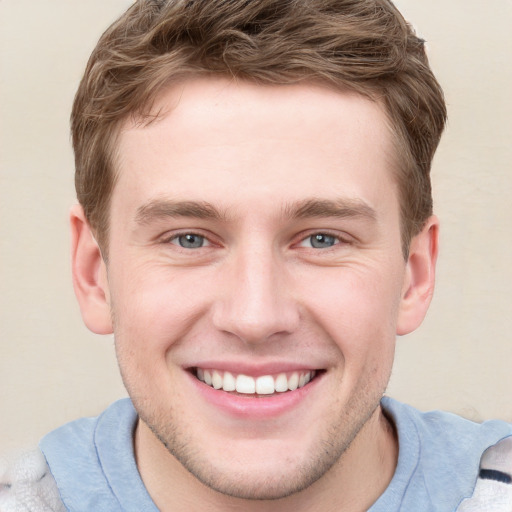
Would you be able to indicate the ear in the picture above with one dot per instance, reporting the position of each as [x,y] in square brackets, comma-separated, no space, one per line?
[419,278]
[89,275]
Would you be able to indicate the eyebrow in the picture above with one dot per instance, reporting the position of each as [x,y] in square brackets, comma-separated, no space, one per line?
[340,208]
[309,208]
[160,209]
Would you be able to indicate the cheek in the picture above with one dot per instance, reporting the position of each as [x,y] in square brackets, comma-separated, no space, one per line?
[153,308]
[358,309]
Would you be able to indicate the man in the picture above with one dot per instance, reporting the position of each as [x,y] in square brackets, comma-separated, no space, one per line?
[255,226]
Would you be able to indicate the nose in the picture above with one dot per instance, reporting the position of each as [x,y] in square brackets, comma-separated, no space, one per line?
[255,301]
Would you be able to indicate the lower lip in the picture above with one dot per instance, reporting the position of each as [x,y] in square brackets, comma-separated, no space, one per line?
[261,407]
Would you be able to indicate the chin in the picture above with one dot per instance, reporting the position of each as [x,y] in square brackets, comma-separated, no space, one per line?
[270,482]
[257,469]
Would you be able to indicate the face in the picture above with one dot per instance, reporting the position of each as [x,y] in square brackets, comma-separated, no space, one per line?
[256,278]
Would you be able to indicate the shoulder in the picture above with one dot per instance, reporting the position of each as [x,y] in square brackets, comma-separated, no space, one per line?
[444,443]
[93,463]
[78,439]
[441,455]
[27,484]
[439,429]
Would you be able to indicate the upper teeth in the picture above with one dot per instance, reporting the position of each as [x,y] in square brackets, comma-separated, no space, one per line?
[263,385]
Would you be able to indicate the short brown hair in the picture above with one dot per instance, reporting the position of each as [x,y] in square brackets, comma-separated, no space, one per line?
[360,45]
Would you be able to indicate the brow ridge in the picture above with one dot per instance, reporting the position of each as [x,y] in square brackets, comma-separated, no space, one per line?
[163,208]
[340,208]
[307,208]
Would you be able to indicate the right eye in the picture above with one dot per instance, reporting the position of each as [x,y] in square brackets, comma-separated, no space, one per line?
[190,241]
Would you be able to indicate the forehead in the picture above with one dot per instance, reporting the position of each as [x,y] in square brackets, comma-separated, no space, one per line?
[221,141]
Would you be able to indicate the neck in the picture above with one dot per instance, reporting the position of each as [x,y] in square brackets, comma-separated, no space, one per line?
[354,483]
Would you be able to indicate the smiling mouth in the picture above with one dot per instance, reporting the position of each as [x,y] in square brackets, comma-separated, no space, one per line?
[263,385]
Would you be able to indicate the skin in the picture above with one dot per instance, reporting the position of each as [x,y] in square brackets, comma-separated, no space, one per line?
[255,172]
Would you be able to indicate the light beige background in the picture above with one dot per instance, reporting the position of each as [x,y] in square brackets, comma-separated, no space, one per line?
[53,370]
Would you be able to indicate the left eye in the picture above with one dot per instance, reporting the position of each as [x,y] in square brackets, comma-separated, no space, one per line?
[320,241]
[190,241]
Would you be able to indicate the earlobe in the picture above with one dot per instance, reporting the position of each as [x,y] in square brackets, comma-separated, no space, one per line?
[89,275]
[419,279]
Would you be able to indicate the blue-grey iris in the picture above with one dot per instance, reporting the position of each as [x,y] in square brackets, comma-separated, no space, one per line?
[322,241]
